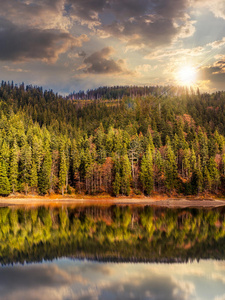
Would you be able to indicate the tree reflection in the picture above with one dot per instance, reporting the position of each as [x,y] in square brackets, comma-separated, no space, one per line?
[116,233]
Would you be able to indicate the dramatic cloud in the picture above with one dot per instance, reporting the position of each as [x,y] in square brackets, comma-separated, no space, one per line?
[213,74]
[168,32]
[101,63]
[86,11]
[36,13]
[145,22]
[19,43]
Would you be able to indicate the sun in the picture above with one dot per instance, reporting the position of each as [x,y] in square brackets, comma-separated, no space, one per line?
[187,75]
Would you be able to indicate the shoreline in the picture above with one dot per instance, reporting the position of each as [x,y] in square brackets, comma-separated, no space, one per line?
[107,201]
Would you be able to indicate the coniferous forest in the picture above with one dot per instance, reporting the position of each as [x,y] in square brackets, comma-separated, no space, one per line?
[153,140]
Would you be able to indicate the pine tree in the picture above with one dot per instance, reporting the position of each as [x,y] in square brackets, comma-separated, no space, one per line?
[170,169]
[33,177]
[214,173]
[116,184]
[25,166]
[158,170]
[117,178]
[62,172]
[125,175]
[186,167]
[150,141]
[146,174]
[207,179]
[193,160]
[76,161]
[44,174]
[13,169]
[4,181]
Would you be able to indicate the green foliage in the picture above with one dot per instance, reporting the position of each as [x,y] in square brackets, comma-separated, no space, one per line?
[146,174]
[44,174]
[103,146]
[170,169]
[62,172]
[4,181]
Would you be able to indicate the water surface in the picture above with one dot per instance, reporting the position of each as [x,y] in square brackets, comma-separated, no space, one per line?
[116,252]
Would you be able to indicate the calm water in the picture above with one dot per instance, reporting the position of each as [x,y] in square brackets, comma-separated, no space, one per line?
[112,253]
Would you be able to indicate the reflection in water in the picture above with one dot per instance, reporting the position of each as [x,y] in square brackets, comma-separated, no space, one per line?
[66,279]
[111,234]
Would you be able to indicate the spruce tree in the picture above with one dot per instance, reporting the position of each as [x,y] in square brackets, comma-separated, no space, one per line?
[44,174]
[170,169]
[116,184]
[33,177]
[4,181]
[146,174]
[62,172]
[25,166]
[125,175]
[117,178]
[13,169]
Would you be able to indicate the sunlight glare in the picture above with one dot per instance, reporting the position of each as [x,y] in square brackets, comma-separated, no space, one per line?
[187,75]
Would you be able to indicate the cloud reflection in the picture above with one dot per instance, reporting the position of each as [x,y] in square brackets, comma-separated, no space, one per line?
[66,279]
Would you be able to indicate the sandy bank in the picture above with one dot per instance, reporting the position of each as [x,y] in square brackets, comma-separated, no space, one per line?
[164,202]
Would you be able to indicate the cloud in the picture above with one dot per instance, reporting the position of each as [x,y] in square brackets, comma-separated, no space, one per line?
[145,22]
[217,7]
[217,44]
[77,54]
[213,74]
[161,54]
[160,24]
[44,14]
[149,288]
[100,62]
[144,30]
[38,282]
[21,43]
[15,70]
[86,11]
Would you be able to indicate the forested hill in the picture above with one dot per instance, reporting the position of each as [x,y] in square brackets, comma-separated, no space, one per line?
[118,92]
[169,141]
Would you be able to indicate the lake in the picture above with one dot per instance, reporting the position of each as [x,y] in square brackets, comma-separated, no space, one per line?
[112,252]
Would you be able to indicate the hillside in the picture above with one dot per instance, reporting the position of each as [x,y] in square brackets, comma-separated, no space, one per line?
[169,141]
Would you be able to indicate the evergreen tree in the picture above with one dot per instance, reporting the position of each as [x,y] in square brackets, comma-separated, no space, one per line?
[25,167]
[186,167]
[146,174]
[13,168]
[116,184]
[125,175]
[214,173]
[45,173]
[62,172]
[117,178]
[170,169]
[4,181]
[33,177]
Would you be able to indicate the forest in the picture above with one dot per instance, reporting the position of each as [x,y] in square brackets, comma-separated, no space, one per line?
[150,141]
[115,233]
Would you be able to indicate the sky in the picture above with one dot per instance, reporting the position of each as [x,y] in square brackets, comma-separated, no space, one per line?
[72,45]
[66,279]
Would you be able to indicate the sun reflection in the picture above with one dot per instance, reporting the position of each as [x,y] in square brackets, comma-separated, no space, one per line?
[187,75]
